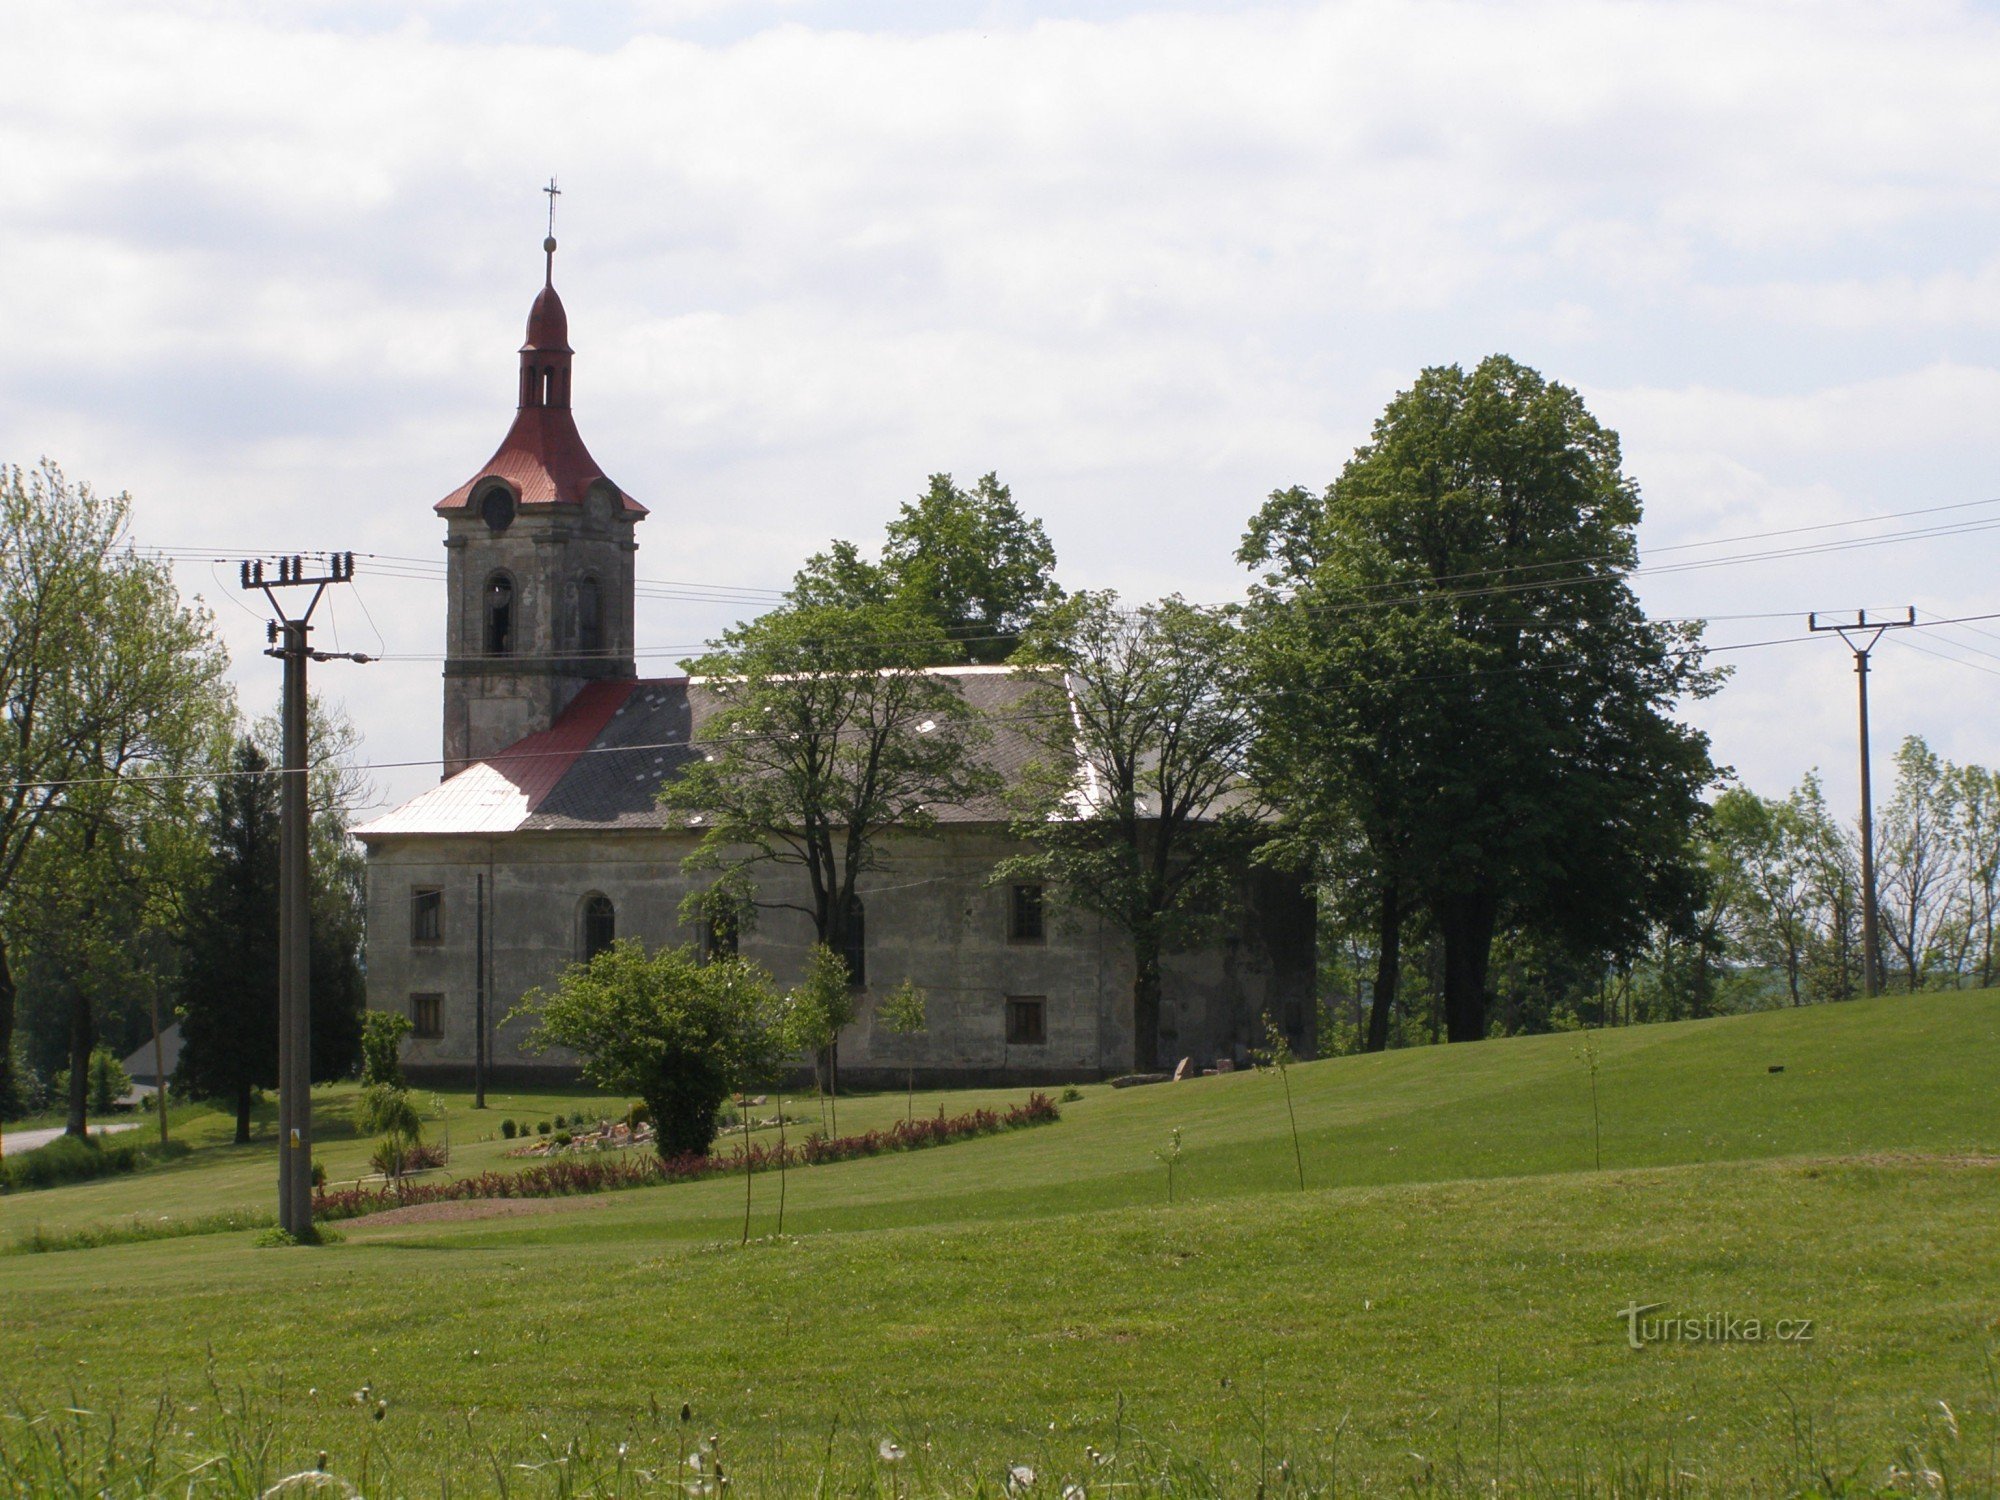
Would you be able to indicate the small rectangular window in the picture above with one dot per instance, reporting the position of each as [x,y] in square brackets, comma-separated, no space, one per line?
[1027,1021]
[426,915]
[1024,922]
[427,1015]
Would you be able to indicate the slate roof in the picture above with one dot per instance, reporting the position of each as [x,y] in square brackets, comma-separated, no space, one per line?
[602,763]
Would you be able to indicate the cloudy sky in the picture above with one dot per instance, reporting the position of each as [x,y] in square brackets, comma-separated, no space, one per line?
[268,265]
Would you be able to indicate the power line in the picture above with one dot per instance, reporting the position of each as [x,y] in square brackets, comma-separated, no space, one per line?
[518,756]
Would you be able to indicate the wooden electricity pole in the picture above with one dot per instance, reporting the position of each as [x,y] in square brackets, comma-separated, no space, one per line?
[1861,634]
[287,635]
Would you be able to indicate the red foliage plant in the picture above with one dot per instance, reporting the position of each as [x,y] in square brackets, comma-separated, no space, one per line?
[563,1177]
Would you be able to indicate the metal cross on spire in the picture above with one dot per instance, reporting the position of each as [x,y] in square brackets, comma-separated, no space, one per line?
[549,244]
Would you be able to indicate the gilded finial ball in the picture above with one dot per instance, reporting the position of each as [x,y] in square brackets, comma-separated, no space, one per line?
[549,244]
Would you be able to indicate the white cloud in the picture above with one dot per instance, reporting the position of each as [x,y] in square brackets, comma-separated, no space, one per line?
[269,267]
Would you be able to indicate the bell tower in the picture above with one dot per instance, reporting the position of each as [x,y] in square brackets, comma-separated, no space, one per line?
[540,549]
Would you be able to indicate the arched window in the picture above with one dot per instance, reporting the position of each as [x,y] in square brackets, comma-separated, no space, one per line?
[589,616]
[499,615]
[855,949]
[548,385]
[600,925]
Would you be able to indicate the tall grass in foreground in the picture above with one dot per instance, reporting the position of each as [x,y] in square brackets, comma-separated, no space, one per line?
[140,1227]
[215,1442]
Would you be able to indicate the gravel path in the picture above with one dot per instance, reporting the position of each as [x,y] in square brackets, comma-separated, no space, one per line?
[28,1140]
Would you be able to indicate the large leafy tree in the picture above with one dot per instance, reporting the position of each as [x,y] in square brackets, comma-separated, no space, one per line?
[112,687]
[1136,808]
[1448,655]
[966,561]
[827,736]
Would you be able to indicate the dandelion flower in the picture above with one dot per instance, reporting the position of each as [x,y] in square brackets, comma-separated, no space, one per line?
[1073,1492]
[1020,1478]
[891,1453]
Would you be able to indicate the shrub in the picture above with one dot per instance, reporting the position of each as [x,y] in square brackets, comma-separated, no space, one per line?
[1071,1093]
[387,1110]
[507,1129]
[108,1081]
[319,1174]
[394,1155]
[541,1127]
[563,1137]
[382,1033]
[638,1115]
[667,1027]
[70,1159]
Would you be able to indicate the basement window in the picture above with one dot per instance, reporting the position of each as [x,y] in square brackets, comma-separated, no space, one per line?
[427,1016]
[1027,1020]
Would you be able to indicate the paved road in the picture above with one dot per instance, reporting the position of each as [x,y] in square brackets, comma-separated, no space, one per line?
[27,1140]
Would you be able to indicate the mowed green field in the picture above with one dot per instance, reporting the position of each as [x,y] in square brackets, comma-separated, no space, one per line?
[1439,1309]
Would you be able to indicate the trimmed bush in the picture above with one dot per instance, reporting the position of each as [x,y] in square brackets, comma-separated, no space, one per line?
[541,1127]
[507,1129]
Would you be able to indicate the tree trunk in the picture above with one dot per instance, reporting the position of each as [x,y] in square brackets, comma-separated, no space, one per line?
[1466,924]
[1388,969]
[82,1041]
[6,1030]
[243,1115]
[1145,1008]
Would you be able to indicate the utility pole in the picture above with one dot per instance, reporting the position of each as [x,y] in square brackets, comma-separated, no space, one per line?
[287,635]
[1861,635]
[479,992]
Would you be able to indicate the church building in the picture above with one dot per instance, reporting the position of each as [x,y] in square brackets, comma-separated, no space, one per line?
[544,842]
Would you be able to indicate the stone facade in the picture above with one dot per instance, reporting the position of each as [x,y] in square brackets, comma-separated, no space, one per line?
[568,573]
[932,915]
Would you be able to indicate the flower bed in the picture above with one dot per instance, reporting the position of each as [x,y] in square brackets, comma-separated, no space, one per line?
[603,1174]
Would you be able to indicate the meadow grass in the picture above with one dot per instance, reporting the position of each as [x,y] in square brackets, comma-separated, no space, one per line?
[1438,1311]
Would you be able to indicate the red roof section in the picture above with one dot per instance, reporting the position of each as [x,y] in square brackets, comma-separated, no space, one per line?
[544,462]
[536,763]
[542,459]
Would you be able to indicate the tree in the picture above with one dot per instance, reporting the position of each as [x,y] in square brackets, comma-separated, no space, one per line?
[902,1013]
[1833,885]
[819,1008]
[1917,870]
[229,983]
[229,986]
[1976,836]
[382,1033]
[678,1032]
[1448,654]
[967,561]
[1135,807]
[828,736]
[113,690]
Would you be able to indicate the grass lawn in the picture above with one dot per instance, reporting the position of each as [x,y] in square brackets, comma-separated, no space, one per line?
[1440,1309]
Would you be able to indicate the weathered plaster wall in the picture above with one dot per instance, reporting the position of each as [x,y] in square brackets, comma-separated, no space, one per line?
[931,917]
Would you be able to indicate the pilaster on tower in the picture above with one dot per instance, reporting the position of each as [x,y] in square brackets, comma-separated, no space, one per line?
[540,548]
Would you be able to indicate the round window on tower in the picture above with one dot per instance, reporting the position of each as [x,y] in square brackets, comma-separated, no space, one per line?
[497,509]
